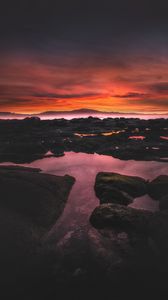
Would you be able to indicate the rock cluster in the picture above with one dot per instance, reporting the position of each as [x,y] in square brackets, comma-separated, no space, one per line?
[30,139]
[117,188]
[122,189]
[114,214]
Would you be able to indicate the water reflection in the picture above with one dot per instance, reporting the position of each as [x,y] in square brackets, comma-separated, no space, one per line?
[164,138]
[137,137]
[84,167]
[109,133]
[72,236]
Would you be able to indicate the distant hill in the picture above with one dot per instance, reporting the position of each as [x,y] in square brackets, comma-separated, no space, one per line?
[83,111]
[9,115]
[76,111]
[79,113]
[6,114]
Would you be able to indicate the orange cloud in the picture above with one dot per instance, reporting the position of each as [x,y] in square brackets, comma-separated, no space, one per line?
[35,84]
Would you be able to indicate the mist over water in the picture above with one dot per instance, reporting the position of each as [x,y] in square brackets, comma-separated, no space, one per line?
[70,116]
[104,116]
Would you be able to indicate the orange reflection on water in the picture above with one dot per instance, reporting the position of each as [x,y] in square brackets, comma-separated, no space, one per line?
[100,133]
[137,137]
[164,137]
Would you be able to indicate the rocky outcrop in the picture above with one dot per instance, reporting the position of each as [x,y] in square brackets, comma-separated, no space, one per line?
[136,223]
[22,152]
[109,136]
[27,148]
[30,203]
[158,188]
[117,188]
[40,197]
[120,217]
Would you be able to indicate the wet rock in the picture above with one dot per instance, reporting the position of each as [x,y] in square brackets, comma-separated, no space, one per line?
[51,133]
[57,149]
[158,188]
[121,217]
[108,194]
[30,204]
[117,188]
[59,154]
[22,152]
[41,197]
[28,148]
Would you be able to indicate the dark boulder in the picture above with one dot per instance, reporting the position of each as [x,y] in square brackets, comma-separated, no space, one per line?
[120,217]
[110,194]
[117,188]
[57,149]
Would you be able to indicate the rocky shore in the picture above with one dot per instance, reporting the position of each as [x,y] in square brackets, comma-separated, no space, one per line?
[121,246]
[32,138]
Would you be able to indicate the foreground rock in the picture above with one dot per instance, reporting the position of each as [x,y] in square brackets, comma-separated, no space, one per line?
[158,188]
[117,188]
[120,217]
[22,152]
[30,204]
[41,197]
[152,226]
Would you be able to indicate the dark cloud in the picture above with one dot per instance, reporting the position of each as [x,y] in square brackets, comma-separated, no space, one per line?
[13,100]
[64,96]
[160,87]
[19,90]
[132,95]
[153,103]
[9,90]
[86,23]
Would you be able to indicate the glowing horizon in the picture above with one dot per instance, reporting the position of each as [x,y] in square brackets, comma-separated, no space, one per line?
[33,84]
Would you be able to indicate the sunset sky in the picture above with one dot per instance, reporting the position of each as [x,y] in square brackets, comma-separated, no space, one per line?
[84,54]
